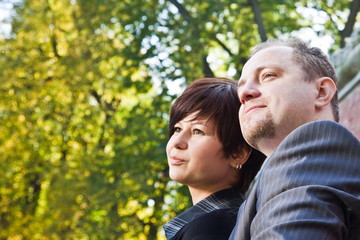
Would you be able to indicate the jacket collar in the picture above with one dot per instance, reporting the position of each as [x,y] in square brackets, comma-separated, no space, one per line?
[224,199]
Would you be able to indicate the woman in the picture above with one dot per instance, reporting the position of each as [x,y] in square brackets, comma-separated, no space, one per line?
[206,152]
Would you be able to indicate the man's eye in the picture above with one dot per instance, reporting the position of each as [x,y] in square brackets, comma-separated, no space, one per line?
[268,75]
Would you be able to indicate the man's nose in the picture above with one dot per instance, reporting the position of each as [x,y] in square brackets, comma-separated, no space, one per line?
[248,91]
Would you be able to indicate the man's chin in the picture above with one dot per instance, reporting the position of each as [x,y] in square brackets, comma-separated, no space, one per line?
[255,133]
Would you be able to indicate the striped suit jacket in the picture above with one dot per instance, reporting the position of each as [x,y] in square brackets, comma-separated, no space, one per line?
[309,188]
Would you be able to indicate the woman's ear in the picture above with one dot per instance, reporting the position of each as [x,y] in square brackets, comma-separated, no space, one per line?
[326,90]
[241,156]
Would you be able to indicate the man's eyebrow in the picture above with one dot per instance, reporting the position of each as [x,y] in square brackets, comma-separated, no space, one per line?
[241,82]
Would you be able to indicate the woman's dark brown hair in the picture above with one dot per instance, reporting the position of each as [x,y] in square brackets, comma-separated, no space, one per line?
[217,100]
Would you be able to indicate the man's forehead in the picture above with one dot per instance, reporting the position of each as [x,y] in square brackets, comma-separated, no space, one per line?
[273,51]
[269,57]
[274,57]
[281,48]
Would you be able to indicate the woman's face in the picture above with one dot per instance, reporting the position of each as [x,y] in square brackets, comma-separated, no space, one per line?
[196,157]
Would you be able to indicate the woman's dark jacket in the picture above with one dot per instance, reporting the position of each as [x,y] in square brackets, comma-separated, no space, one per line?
[213,218]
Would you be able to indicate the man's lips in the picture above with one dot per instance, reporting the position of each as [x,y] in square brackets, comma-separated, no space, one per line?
[176,161]
[253,108]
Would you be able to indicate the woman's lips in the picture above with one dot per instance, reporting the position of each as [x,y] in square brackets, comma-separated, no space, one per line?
[176,161]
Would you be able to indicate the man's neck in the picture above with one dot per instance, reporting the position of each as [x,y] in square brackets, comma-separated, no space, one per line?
[268,145]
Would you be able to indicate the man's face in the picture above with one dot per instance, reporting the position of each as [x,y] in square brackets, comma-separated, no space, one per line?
[275,97]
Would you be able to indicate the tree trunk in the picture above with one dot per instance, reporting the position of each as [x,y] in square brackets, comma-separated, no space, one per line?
[258,19]
[349,26]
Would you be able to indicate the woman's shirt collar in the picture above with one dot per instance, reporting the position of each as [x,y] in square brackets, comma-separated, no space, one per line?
[224,199]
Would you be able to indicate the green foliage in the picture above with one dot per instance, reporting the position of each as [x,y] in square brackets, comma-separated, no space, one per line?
[84,102]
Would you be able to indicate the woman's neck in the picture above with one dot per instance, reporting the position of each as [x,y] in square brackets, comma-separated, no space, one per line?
[199,194]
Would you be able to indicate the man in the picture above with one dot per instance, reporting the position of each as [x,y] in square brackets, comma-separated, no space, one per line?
[309,186]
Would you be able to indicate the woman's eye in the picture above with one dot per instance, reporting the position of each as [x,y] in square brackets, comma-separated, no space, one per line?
[197,131]
[177,129]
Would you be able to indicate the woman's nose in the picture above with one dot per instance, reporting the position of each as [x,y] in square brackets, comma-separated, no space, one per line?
[181,141]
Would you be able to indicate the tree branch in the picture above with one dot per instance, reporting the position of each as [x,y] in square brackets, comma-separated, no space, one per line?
[185,14]
[108,107]
[96,96]
[258,19]
[54,46]
[349,26]
[206,68]
[223,46]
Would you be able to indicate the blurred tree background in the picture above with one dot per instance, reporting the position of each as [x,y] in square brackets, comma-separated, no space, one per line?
[85,91]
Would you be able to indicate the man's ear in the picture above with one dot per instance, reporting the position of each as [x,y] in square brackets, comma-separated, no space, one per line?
[241,156]
[326,88]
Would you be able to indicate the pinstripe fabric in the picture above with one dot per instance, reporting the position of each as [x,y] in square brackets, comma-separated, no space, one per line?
[308,189]
[225,199]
